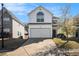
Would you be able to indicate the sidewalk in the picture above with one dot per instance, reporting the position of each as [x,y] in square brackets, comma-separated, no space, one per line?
[29,50]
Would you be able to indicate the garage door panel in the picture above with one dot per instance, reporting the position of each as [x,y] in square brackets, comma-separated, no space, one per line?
[40,33]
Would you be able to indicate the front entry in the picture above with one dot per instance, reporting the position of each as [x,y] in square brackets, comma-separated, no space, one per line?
[77,33]
[54,33]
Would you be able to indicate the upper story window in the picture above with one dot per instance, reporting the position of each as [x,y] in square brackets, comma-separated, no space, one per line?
[40,17]
[54,21]
[6,19]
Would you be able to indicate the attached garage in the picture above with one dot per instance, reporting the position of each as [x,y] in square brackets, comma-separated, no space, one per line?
[40,33]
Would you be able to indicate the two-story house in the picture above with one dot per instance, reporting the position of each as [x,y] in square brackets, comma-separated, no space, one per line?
[11,25]
[42,23]
[76,24]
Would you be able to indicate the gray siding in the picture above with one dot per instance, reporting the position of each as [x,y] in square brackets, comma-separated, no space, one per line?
[7,24]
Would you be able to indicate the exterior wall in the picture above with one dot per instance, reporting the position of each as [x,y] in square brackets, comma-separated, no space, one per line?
[77,31]
[7,24]
[11,25]
[33,16]
[17,28]
[41,26]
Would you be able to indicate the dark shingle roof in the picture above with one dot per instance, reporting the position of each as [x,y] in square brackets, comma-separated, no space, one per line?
[11,14]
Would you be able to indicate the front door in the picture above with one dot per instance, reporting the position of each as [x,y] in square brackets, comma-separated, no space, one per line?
[54,33]
[77,33]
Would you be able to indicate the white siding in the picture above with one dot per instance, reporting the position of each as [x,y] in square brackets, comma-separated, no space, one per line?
[17,28]
[38,30]
[47,16]
[40,26]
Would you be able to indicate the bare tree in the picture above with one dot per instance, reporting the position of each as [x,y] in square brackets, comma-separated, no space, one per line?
[65,11]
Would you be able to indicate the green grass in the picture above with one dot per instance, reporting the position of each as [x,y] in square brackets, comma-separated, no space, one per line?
[58,41]
[69,44]
[72,45]
[2,54]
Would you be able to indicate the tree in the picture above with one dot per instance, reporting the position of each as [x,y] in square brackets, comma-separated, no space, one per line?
[65,12]
[70,27]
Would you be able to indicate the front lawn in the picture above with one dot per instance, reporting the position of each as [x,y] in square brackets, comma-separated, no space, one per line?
[2,54]
[69,45]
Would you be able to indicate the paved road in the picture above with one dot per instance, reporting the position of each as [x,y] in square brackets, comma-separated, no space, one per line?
[30,49]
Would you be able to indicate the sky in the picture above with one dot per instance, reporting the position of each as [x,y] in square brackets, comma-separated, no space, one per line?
[21,10]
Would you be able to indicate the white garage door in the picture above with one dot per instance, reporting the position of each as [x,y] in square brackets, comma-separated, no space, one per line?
[40,33]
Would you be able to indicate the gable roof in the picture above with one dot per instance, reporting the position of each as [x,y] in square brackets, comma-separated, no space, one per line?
[12,15]
[54,17]
[40,7]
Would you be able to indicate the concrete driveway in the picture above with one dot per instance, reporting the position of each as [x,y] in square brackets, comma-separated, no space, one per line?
[35,40]
[32,48]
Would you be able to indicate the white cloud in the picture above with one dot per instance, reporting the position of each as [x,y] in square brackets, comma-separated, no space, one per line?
[20,10]
[16,8]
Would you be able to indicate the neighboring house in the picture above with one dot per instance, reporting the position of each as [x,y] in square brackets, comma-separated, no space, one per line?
[42,23]
[12,25]
[76,21]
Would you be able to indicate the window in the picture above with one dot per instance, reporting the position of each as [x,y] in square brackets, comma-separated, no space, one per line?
[0,22]
[77,33]
[40,17]
[54,21]
[6,30]
[6,19]
[19,33]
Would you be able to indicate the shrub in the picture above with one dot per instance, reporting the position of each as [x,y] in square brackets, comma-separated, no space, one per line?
[72,45]
[73,39]
[2,54]
[68,45]
[58,41]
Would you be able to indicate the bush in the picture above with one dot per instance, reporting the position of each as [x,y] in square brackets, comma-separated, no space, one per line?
[73,39]
[68,45]
[2,54]
[72,45]
[58,41]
